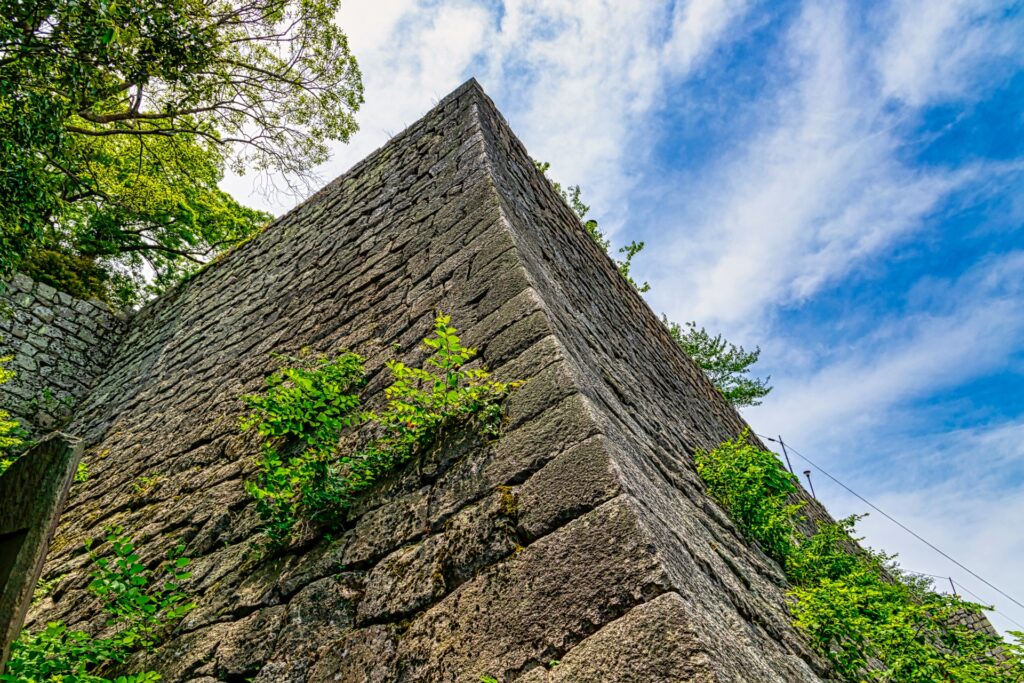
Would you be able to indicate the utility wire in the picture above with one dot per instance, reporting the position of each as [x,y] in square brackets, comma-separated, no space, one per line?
[956,584]
[981,600]
[900,524]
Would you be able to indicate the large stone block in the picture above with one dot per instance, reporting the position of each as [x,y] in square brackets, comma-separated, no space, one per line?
[653,642]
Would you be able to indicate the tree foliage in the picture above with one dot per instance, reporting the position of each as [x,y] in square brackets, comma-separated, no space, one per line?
[725,364]
[867,617]
[10,429]
[118,119]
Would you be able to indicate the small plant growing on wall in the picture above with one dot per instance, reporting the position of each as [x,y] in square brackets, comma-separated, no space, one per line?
[141,607]
[306,409]
[301,415]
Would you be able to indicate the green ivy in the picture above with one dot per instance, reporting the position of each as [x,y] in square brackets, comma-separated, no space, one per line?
[305,477]
[871,620]
[141,607]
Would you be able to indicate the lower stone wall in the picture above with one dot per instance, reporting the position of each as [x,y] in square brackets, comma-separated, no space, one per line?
[58,346]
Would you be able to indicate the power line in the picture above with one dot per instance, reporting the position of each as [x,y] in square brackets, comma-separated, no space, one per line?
[900,524]
[982,601]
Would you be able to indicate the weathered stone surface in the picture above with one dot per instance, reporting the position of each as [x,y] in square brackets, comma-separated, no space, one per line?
[387,527]
[553,542]
[538,604]
[32,491]
[318,616]
[413,577]
[64,351]
[366,655]
[652,642]
[573,483]
[231,651]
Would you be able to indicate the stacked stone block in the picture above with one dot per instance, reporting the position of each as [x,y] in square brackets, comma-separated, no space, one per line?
[59,345]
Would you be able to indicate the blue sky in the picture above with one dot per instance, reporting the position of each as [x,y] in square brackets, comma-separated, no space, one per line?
[839,183]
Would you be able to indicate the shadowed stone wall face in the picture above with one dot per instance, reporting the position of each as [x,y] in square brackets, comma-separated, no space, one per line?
[59,344]
[581,535]
[32,490]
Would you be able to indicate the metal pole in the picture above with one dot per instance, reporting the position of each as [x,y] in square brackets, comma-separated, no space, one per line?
[786,453]
[953,586]
[807,473]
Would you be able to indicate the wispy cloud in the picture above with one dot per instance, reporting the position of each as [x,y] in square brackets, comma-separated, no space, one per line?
[580,80]
[942,50]
[976,525]
[697,28]
[577,79]
[412,53]
[973,324]
[802,202]
[817,194]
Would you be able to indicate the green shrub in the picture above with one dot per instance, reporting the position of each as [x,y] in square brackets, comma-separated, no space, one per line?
[305,477]
[874,628]
[755,491]
[830,553]
[870,619]
[302,415]
[141,607]
[77,275]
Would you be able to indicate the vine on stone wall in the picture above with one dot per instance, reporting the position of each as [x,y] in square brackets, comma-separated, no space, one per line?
[869,618]
[305,478]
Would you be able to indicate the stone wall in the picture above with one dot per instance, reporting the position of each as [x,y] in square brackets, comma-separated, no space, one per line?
[582,534]
[32,491]
[59,344]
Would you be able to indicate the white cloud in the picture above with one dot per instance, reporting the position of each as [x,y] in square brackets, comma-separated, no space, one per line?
[975,523]
[803,201]
[576,79]
[961,488]
[697,27]
[939,50]
[908,356]
[579,80]
[411,55]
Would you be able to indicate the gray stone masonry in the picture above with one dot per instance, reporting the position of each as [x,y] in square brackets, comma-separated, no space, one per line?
[33,491]
[583,534]
[58,346]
